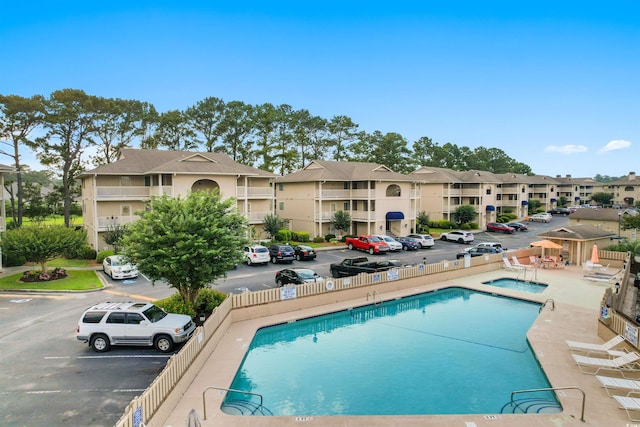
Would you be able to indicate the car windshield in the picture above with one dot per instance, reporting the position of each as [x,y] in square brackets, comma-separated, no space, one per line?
[374,239]
[154,313]
[116,262]
[261,250]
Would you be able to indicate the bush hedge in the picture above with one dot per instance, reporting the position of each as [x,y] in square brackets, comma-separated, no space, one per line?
[103,254]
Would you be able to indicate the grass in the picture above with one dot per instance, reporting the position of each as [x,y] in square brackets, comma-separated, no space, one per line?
[70,263]
[76,280]
[50,220]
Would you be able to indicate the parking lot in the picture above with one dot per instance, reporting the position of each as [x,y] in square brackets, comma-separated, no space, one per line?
[50,378]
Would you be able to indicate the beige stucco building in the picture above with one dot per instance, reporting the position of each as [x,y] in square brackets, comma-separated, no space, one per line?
[379,200]
[113,193]
[606,219]
[626,191]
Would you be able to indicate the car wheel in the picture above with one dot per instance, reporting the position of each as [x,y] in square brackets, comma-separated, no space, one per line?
[163,343]
[299,257]
[100,343]
[350,246]
[460,240]
[274,260]
[248,261]
[404,248]
[370,251]
[280,283]
[443,238]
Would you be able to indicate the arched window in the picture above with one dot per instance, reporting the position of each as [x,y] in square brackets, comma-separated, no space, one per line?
[393,190]
[205,185]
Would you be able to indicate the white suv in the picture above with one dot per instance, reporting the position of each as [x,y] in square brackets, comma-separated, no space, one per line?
[133,323]
[425,240]
[459,236]
[256,254]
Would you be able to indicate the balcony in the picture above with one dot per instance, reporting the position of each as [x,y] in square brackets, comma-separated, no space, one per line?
[256,217]
[131,192]
[254,192]
[104,222]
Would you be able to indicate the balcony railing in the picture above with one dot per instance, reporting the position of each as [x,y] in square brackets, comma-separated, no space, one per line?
[255,192]
[131,192]
[257,217]
[104,222]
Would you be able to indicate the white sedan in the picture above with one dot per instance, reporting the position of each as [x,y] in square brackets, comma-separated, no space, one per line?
[117,267]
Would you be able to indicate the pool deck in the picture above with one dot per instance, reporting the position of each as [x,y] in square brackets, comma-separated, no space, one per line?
[574,317]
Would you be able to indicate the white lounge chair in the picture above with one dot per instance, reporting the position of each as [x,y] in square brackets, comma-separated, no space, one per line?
[622,364]
[516,263]
[629,404]
[510,267]
[589,348]
[612,384]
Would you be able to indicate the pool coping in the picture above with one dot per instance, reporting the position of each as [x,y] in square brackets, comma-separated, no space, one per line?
[574,317]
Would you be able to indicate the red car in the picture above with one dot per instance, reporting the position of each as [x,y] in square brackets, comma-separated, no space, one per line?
[498,227]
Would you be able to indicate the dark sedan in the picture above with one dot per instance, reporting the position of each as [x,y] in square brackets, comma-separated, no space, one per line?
[500,228]
[409,244]
[518,226]
[304,252]
[296,276]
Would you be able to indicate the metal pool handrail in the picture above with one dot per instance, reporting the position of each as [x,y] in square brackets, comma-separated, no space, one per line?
[204,403]
[554,389]
[544,304]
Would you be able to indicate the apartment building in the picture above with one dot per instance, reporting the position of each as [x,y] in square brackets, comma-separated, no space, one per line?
[442,191]
[577,191]
[113,193]
[626,191]
[379,200]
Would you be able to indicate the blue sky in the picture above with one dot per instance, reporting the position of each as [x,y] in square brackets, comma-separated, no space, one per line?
[555,84]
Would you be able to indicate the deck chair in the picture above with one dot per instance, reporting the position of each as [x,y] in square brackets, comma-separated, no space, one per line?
[612,384]
[629,404]
[516,263]
[509,267]
[623,364]
[590,348]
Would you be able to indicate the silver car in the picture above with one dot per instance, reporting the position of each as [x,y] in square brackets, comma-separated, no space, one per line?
[425,240]
[117,267]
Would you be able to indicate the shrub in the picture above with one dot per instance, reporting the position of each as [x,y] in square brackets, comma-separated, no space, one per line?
[319,239]
[208,299]
[442,223]
[175,304]
[329,236]
[301,236]
[344,238]
[473,226]
[103,254]
[283,235]
[465,226]
[13,260]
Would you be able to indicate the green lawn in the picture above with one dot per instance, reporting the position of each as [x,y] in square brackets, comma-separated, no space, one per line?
[50,220]
[69,263]
[76,280]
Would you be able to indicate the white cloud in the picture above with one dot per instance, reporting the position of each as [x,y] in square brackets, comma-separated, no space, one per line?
[616,144]
[566,149]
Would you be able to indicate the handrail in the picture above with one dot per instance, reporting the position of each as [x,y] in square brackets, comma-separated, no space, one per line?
[533,390]
[373,296]
[204,403]
[544,304]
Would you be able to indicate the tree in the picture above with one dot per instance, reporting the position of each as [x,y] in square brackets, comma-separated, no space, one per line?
[629,222]
[342,131]
[204,118]
[173,132]
[533,205]
[422,221]
[114,234]
[70,124]
[187,242]
[272,224]
[236,128]
[341,220]
[602,199]
[18,118]
[42,244]
[389,149]
[465,214]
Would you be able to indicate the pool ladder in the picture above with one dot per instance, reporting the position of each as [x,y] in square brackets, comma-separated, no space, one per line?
[373,296]
[544,304]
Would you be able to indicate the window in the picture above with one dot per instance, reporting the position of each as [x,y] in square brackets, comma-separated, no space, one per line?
[628,188]
[125,210]
[332,207]
[394,191]
[281,206]
[488,191]
[365,205]
[345,206]
[280,186]
[134,319]
[116,318]
[93,316]
[372,185]
[147,181]
[346,185]
[166,179]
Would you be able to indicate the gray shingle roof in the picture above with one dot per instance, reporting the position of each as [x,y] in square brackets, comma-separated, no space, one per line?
[605,214]
[327,170]
[577,232]
[143,162]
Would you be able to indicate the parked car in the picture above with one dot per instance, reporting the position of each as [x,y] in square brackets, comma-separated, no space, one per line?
[540,217]
[496,245]
[479,251]
[281,253]
[501,228]
[409,243]
[459,236]
[133,323]
[296,276]
[304,252]
[425,240]
[117,267]
[394,245]
[518,226]
[559,211]
[256,254]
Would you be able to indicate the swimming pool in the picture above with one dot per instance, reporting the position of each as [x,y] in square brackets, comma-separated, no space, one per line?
[518,285]
[452,351]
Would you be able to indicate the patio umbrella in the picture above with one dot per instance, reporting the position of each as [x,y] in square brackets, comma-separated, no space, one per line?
[547,244]
[594,255]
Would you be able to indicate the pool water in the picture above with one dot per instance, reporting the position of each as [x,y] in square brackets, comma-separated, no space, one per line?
[453,351]
[518,285]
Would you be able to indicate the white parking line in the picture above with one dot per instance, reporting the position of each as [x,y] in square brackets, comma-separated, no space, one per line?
[119,356]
